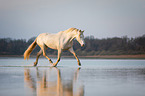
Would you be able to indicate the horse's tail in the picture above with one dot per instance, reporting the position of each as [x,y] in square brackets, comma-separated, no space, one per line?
[29,50]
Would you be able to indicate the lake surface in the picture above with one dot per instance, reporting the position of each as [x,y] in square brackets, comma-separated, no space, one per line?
[96,77]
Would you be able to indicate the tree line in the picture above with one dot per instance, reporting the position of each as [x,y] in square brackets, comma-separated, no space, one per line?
[93,46]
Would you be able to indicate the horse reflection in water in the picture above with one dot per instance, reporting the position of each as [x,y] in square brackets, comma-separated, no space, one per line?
[42,86]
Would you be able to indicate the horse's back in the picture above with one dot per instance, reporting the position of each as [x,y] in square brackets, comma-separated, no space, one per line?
[47,39]
[55,41]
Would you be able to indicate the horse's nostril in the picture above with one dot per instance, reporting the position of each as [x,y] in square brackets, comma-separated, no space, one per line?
[82,45]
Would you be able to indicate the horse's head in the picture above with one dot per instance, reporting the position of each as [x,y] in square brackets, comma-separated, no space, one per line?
[80,37]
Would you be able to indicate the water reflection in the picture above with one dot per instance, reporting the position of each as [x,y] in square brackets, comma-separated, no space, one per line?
[50,82]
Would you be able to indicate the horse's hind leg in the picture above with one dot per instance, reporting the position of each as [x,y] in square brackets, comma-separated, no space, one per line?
[44,53]
[38,55]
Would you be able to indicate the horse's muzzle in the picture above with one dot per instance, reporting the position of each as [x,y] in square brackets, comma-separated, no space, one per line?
[82,45]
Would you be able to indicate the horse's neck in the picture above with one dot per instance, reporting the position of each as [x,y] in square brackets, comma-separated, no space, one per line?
[68,36]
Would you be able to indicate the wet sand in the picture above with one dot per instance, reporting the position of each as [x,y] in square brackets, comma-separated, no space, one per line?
[96,77]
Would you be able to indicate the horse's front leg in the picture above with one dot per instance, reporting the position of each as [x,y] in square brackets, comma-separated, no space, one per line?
[72,51]
[58,58]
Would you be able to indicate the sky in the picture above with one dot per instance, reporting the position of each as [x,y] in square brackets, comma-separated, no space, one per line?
[23,19]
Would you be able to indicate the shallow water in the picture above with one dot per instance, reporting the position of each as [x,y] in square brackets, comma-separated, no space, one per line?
[96,77]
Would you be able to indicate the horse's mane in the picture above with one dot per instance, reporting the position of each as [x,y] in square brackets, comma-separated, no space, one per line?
[70,30]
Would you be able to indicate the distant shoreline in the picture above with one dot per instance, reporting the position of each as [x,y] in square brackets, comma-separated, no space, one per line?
[93,57]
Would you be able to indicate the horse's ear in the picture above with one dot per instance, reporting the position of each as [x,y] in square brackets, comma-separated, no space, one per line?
[79,31]
[83,31]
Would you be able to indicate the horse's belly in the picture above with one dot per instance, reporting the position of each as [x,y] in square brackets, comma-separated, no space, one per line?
[51,45]
[48,40]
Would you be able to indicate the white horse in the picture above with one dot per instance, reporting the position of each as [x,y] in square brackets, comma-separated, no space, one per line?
[61,41]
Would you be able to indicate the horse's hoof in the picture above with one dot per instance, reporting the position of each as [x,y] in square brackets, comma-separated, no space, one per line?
[35,64]
[79,64]
[53,65]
